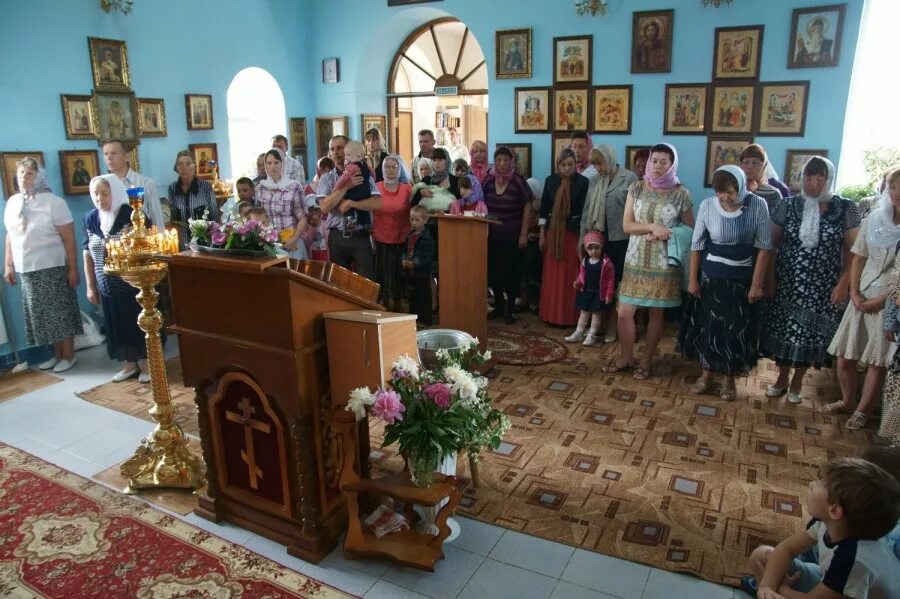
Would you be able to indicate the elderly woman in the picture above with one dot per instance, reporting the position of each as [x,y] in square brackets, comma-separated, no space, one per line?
[654,206]
[124,339]
[478,162]
[189,197]
[754,162]
[375,152]
[390,225]
[282,199]
[813,233]
[731,248]
[859,337]
[604,211]
[40,249]
[562,205]
[508,198]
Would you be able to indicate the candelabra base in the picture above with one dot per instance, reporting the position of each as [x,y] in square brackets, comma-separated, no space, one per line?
[163,461]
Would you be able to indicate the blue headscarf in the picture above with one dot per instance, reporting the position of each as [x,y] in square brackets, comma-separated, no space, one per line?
[403,177]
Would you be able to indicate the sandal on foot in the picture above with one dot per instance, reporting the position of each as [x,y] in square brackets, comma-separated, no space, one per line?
[728,394]
[641,374]
[614,367]
[700,387]
[856,421]
[835,407]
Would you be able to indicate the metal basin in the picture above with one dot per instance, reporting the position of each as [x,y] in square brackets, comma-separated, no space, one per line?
[431,340]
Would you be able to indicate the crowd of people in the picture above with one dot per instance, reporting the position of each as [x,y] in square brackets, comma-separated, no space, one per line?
[757,272]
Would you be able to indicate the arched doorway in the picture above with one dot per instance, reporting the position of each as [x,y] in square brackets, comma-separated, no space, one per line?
[440,56]
[255,113]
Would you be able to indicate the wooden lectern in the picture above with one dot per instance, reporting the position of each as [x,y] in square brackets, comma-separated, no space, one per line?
[252,341]
[462,288]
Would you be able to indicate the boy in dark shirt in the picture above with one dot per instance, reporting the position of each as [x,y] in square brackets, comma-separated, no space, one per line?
[417,264]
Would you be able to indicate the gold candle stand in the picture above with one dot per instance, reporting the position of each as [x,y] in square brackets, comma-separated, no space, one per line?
[162,459]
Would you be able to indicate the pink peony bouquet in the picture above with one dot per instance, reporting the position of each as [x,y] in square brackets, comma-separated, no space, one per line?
[432,414]
[234,235]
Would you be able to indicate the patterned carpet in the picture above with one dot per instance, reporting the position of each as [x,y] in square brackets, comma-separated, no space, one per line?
[14,385]
[516,349]
[132,397]
[65,537]
[642,470]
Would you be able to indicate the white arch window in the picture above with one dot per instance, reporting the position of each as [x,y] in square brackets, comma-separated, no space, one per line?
[255,113]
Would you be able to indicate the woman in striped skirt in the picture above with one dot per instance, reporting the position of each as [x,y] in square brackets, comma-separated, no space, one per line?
[730,252]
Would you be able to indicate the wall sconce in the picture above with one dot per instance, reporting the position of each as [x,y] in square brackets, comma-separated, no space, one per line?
[715,3]
[583,7]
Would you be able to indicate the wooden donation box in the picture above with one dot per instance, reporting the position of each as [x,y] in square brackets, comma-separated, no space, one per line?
[462,247]
[365,344]
[252,341]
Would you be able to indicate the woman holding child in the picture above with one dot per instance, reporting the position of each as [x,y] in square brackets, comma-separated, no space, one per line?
[654,207]
[813,233]
[731,248]
[859,337]
[507,197]
[282,199]
[390,227]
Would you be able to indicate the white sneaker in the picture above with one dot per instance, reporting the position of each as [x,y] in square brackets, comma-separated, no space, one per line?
[589,340]
[20,367]
[144,377]
[773,391]
[123,375]
[576,337]
[64,365]
[48,364]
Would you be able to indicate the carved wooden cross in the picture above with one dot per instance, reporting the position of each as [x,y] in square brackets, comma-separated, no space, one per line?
[245,419]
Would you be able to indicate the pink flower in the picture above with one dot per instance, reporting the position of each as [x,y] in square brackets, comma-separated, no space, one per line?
[218,237]
[439,393]
[388,406]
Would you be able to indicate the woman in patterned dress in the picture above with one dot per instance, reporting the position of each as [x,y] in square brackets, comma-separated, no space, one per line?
[652,208]
[889,431]
[814,232]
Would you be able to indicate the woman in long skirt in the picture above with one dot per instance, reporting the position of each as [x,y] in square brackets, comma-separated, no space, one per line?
[730,253]
[562,205]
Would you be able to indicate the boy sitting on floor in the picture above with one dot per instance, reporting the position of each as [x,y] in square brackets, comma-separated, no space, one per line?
[853,504]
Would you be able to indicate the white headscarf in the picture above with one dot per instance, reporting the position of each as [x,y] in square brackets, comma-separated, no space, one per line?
[809,225]
[117,196]
[537,191]
[741,177]
[402,174]
[285,181]
[880,228]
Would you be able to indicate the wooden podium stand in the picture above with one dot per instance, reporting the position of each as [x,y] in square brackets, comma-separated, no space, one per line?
[252,342]
[462,288]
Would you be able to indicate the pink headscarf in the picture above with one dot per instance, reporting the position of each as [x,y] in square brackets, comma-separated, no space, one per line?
[479,169]
[503,177]
[669,179]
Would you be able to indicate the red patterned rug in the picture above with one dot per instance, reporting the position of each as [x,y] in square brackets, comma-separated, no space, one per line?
[62,536]
[516,349]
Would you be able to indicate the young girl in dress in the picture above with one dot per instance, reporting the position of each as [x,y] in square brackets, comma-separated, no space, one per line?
[472,198]
[596,287]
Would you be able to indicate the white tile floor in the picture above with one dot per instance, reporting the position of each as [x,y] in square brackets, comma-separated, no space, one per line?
[484,562]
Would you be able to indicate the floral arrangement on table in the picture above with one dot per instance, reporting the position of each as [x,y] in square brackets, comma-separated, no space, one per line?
[434,413]
[234,235]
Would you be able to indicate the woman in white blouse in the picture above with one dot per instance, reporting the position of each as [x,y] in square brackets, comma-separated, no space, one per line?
[40,254]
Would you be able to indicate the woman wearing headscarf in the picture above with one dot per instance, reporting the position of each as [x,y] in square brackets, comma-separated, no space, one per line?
[124,338]
[859,337]
[40,249]
[508,198]
[654,206]
[604,211]
[390,225]
[375,152]
[189,197]
[730,251]
[813,233]
[754,162]
[562,206]
[282,199]
[478,162]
